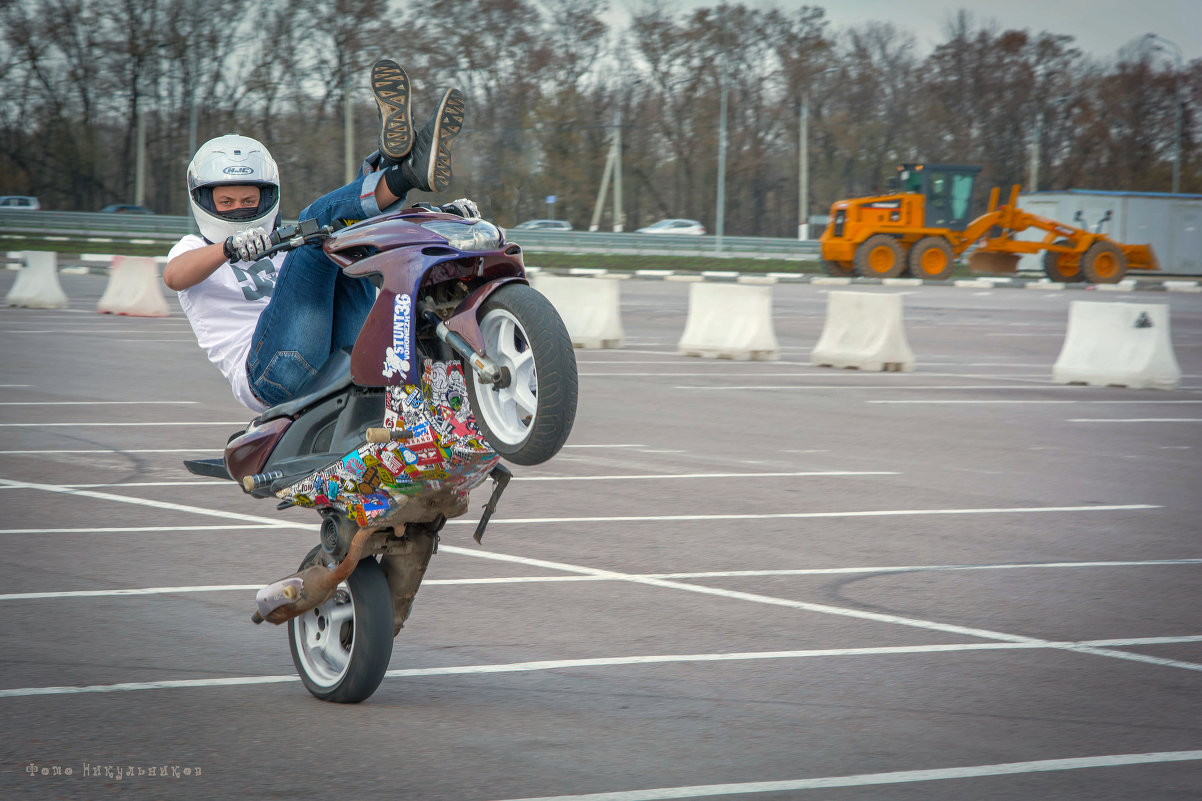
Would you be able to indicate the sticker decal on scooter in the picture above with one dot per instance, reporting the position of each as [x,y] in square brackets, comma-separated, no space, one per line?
[396,358]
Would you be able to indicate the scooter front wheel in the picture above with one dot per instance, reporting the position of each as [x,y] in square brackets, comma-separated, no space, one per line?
[528,419]
[341,648]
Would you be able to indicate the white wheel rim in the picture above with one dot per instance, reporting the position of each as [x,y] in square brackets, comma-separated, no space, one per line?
[509,412]
[325,639]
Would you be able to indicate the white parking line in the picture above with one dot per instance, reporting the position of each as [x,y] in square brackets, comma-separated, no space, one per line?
[96,403]
[823,608]
[70,451]
[1137,420]
[876,779]
[815,571]
[810,515]
[105,496]
[991,400]
[615,661]
[188,424]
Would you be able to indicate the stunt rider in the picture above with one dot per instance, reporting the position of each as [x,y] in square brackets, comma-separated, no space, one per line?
[270,324]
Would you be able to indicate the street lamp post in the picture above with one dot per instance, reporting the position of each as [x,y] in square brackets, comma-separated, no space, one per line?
[1177,102]
[719,224]
[803,178]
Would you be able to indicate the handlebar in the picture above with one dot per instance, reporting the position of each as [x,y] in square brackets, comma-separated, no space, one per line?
[290,237]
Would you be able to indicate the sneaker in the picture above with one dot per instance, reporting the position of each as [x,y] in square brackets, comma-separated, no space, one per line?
[390,85]
[428,167]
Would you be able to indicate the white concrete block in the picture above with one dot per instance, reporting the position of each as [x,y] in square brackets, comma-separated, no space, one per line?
[1118,344]
[133,288]
[37,286]
[590,308]
[864,330]
[729,321]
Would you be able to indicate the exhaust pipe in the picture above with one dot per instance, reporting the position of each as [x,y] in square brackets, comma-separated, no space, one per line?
[289,597]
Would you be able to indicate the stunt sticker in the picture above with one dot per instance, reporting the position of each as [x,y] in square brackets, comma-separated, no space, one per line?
[445,451]
[396,358]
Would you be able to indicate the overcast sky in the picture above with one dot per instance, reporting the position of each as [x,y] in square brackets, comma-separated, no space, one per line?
[1101,27]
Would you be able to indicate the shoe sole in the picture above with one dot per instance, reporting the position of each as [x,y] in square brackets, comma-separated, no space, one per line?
[390,85]
[449,121]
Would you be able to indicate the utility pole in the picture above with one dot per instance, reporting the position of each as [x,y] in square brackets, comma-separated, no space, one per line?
[1177,102]
[719,224]
[619,216]
[803,178]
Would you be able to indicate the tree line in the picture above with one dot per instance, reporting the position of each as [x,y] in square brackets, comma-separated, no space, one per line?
[83,82]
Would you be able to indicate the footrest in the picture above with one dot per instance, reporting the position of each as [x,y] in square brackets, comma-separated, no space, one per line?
[210,468]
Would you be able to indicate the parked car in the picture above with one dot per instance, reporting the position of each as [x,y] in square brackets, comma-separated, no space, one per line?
[673,227]
[545,225]
[14,202]
[125,208]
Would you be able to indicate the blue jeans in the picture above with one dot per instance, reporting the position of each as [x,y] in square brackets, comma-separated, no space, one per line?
[315,309]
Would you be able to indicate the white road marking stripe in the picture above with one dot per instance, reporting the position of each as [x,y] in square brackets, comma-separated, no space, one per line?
[212,482]
[105,496]
[892,777]
[898,386]
[95,403]
[808,515]
[820,608]
[524,479]
[148,529]
[968,400]
[1137,420]
[818,571]
[71,451]
[566,664]
[189,424]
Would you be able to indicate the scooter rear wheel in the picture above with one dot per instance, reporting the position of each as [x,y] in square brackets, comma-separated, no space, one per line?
[341,648]
[528,420]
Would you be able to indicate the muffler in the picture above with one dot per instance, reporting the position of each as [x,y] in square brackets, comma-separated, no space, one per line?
[305,589]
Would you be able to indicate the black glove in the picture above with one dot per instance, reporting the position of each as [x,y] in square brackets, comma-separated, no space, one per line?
[247,245]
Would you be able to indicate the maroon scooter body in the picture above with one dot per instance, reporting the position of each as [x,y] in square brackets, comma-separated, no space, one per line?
[407,256]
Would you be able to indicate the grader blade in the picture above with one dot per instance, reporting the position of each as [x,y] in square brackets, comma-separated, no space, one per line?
[993,263]
[1140,257]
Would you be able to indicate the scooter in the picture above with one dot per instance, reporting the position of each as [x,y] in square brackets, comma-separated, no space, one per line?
[459,364]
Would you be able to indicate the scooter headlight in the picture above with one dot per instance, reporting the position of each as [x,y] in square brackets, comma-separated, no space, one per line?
[475,235]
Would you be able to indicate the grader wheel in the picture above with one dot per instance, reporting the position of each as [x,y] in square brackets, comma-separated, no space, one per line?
[931,258]
[1057,267]
[880,256]
[1104,263]
[838,269]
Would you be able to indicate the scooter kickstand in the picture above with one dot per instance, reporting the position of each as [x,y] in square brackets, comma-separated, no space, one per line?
[500,476]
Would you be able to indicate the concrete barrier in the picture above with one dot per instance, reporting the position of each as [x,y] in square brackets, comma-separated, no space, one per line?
[1118,344]
[133,288]
[729,321]
[590,308]
[864,331]
[36,285]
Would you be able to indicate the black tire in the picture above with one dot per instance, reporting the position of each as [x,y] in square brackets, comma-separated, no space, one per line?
[838,269]
[931,258]
[1104,263]
[527,421]
[364,637]
[1057,270]
[880,256]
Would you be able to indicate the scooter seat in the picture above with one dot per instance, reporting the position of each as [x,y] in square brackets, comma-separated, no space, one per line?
[333,377]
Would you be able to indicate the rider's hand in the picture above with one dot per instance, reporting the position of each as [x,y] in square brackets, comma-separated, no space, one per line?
[463,207]
[247,245]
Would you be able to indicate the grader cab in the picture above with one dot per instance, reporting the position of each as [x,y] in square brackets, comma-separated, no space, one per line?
[922,228]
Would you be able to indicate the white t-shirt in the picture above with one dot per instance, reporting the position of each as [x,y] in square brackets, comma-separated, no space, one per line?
[224,310]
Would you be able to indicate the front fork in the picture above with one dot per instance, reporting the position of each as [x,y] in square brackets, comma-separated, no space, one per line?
[488,371]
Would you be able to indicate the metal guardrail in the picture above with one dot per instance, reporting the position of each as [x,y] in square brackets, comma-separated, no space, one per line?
[128,227]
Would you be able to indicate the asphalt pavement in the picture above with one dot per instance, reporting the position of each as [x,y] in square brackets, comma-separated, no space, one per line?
[758,580]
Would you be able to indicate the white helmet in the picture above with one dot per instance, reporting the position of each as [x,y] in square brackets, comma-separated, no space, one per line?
[233,160]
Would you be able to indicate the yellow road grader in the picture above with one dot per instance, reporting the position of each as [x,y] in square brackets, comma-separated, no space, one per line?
[924,227]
